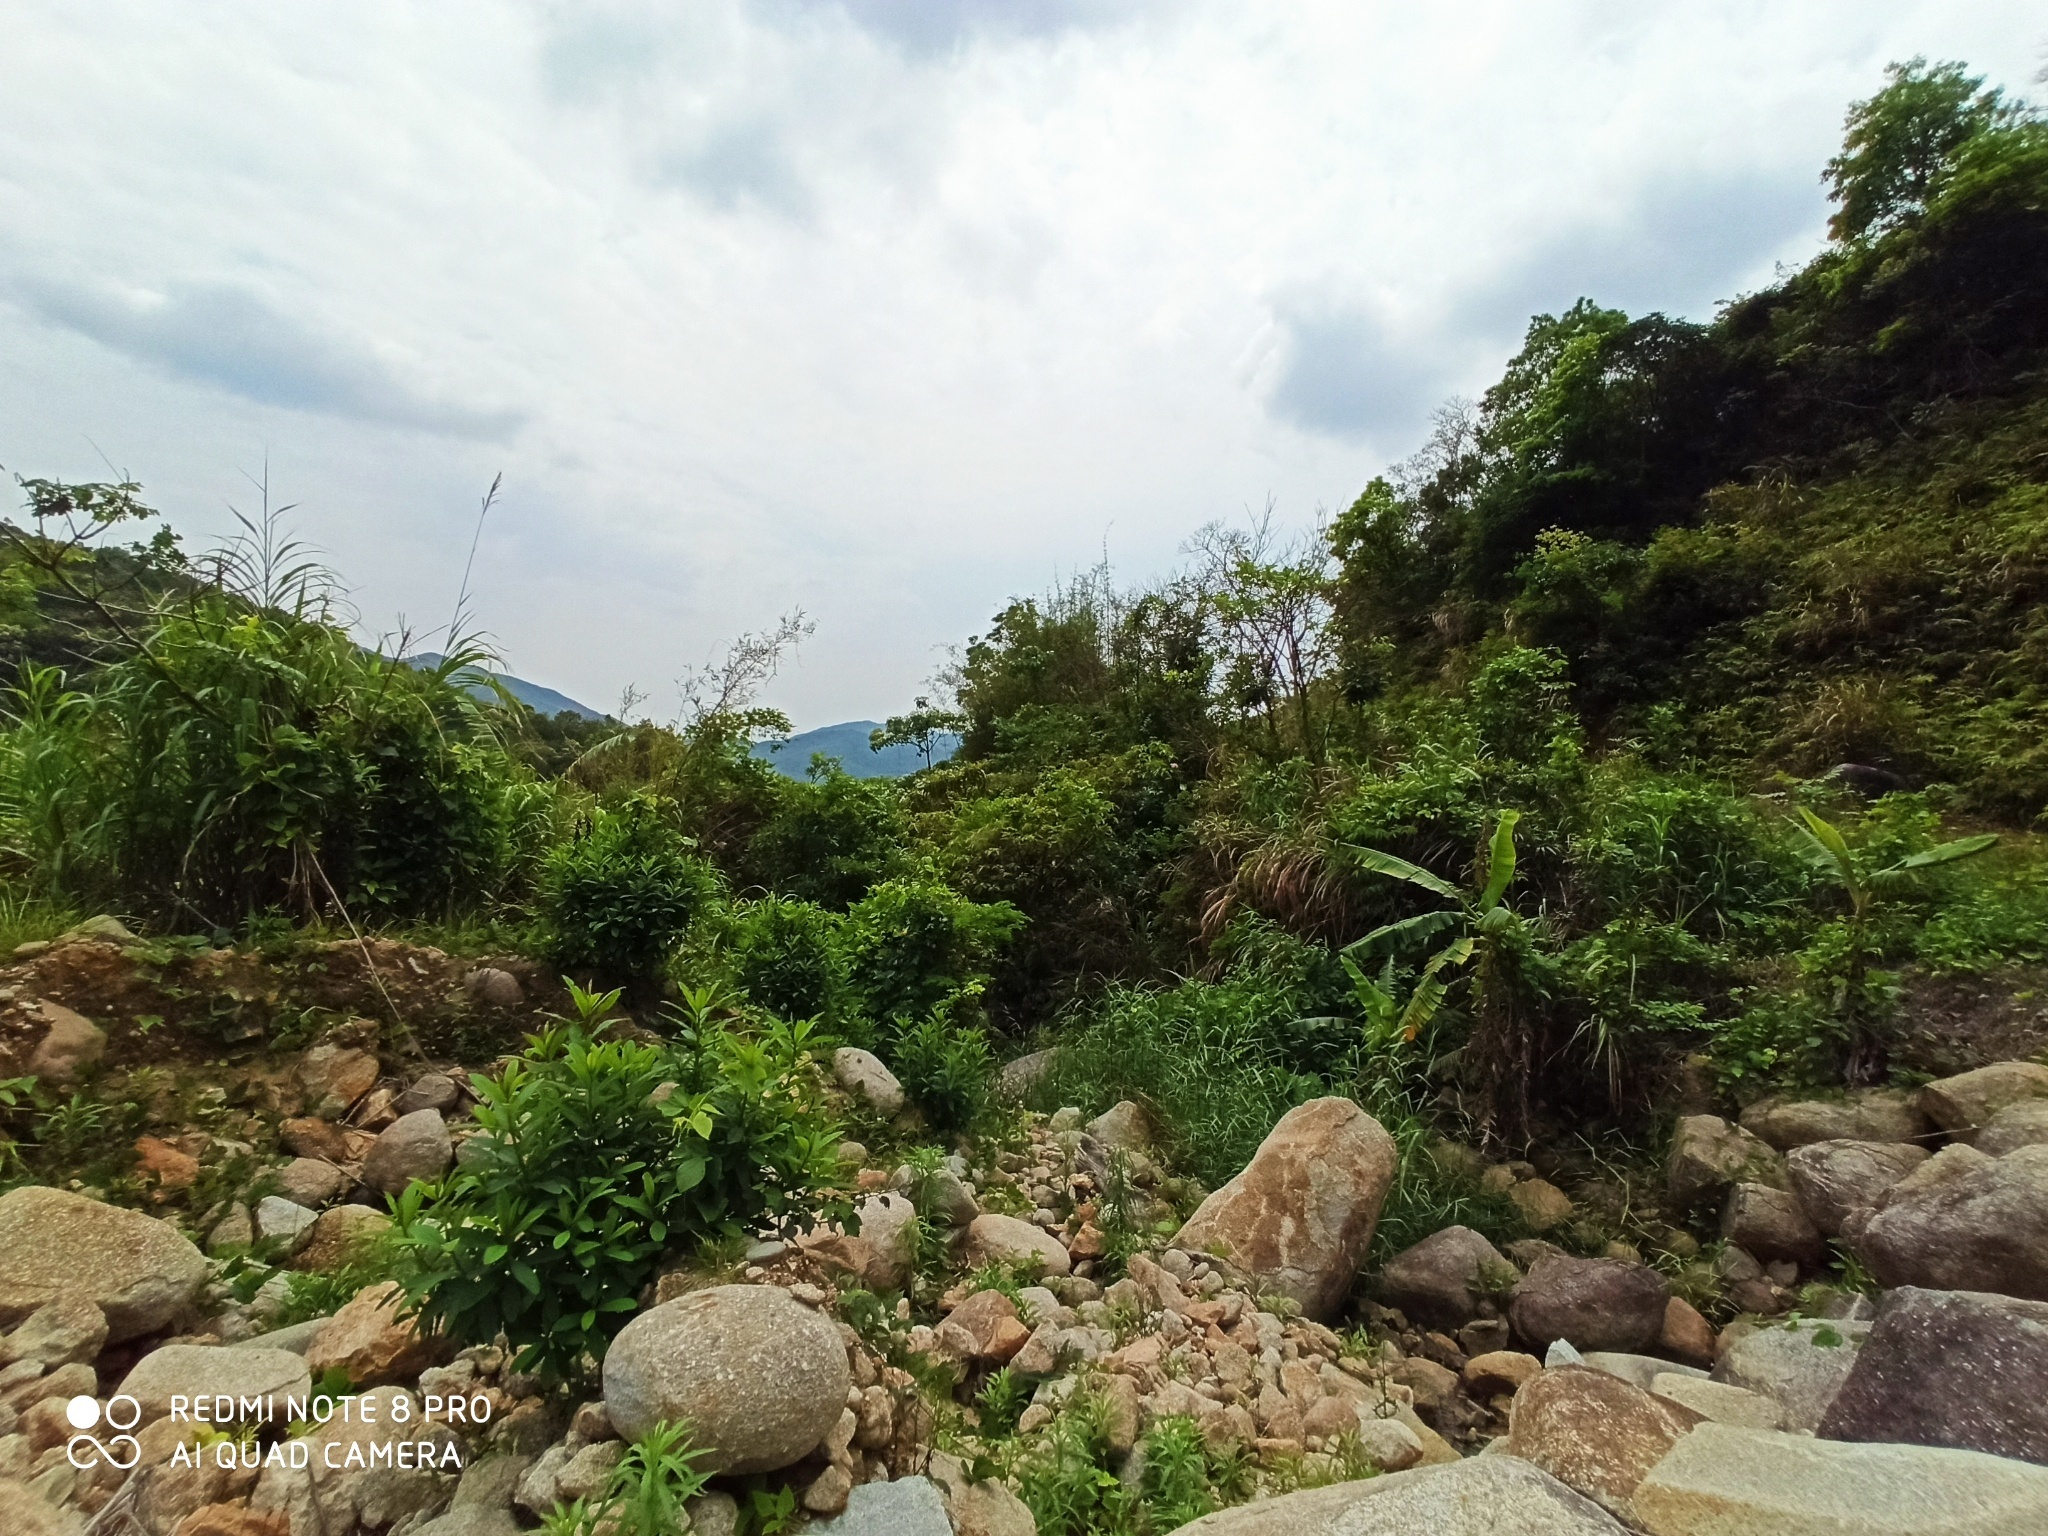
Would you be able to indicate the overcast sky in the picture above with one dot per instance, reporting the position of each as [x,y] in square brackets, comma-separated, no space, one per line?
[887,309]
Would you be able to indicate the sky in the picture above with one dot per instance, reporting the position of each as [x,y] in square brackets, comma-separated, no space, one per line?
[888,310]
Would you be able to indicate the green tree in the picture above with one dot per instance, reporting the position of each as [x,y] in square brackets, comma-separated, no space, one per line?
[1898,144]
[921,728]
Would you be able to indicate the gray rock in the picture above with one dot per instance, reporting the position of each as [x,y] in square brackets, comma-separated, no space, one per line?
[1874,1114]
[414,1146]
[1718,1401]
[1964,1104]
[234,1230]
[140,1272]
[1964,1221]
[1019,1077]
[1122,1127]
[66,1330]
[1771,1224]
[863,1074]
[1479,1496]
[1605,1304]
[1964,1369]
[1730,1481]
[312,1183]
[940,1195]
[909,1506]
[495,988]
[759,1376]
[713,1513]
[279,1220]
[1799,1366]
[1440,1280]
[996,1239]
[433,1090]
[888,1226]
[1639,1370]
[297,1338]
[586,1472]
[536,1491]
[2024,1124]
[986,1508]
[1708,1156]
[471,1522]
[1835,1179]
[197,1370]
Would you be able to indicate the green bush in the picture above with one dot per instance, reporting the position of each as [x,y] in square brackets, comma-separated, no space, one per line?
[598,1158]
[830,840]
[914,946]
[788,957]
[945,1069]
[618,896]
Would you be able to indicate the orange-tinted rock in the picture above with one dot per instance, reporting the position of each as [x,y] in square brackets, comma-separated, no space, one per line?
[1686,1335]
[159,1160]
[1300,1217]
[233,1520]
[1595,1433]
[370,1341]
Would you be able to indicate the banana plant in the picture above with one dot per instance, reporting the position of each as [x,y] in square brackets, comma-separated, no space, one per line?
[1828,853]
[1474,922]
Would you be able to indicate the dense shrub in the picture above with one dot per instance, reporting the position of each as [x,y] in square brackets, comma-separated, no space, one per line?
[944,1068]
[788,956]
[617,897]
[597,1158]
[913,946]
[829,840]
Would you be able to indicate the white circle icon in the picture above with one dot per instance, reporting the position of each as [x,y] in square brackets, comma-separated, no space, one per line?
[83,1412]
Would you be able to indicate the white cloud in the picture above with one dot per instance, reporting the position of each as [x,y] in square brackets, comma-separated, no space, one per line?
[888,309]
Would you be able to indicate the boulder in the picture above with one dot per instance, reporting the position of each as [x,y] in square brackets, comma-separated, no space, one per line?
[1771,1224]
[371,1340]
[339,1235]
[908,1506]
[2024,1124]
[71,1047]
[197,1370]
[994,1239]
[862,1074]
[1439,1281]
[1835,1179]
[1964,1221]
[1686,1335]
[140,1272]
[1964,1369]
[24,1512]
[888,1229]
[311,1182]
[985,1508]
[1299,1218]
[1593,1303]
[340,1490]
[1799,1366]
[1723,1480]
[1477,1496]
[431,1090]
[414,1146]
[335,1076]
[1122,1127]
[494,988]
[1637,1370]
[1594,1432]
[1708,1156]
[66,1330]
[759,1376]
[1964,1104]
[1874,1114]
[1718,1401]
[1017,1078]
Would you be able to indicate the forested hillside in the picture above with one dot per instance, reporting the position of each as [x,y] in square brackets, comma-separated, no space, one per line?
[1671,731]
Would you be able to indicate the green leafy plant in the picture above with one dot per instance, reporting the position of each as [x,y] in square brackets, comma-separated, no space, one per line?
[1001,1402]
[945,1069]
[618,896]
[596,1158]
[646,1493]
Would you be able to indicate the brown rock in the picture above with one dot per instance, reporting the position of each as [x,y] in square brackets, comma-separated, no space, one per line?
[160,1161]
[1594,1303]
[1300,1217]
[1834,1179]
[233,1520]
[371,1341]
[71,1047]
[311,1182]
[24,1512]
[310,1136]
[1874,1114]
[988,1325]
[1432,1384]
[338,1236]
[1440,1280]
[993,1239]
[1964,1104]
[1595,1433]
[1542,1204]
[1686,1335]
[1505,1370]
[1771,1224]
[1708,1155]
[335,1076]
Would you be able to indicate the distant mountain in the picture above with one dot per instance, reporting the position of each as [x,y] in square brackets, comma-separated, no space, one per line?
[848,741]
[544,701]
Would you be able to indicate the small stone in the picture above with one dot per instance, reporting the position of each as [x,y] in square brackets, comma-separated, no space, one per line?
[586,1472]
[71,1047]
[1708,1156]
[165,1165]
[1004,1239]
[1542,1204]
[433,1090]
[1685,1334]
[370,1340]
[863,1074]
[1771,1224]
[334,1077]
[909,1506]
[311,1182]
[279,1220]
[1017,1078]
[494,988]
[338,1236]
[1503,1371]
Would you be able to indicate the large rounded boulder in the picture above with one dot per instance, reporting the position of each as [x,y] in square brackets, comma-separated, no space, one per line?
[1593,1304]
[1440,1280]
[140,1272]
[1965,1222]
[759,1377]
[1301,1216]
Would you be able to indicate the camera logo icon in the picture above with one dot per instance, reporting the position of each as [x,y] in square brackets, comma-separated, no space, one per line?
[120,1451]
